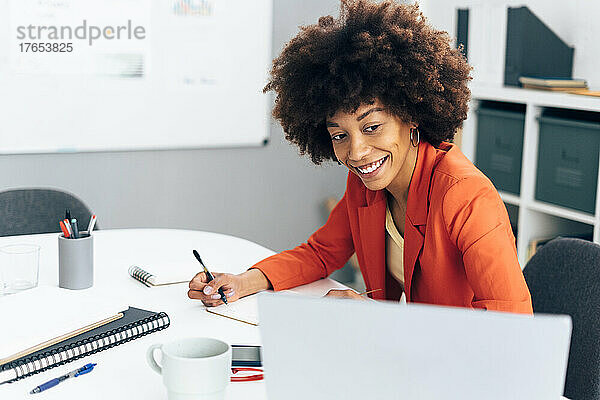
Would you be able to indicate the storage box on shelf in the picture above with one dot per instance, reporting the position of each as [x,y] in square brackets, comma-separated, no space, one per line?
[558,181]
[499,151]
[567,171]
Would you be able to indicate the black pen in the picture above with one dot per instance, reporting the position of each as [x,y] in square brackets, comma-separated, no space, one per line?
[209,276]
[68,214]
[75,228]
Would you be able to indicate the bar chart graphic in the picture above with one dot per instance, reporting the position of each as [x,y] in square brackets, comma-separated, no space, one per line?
[193,7]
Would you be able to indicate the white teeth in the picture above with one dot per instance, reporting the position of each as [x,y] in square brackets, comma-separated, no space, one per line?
[371,167]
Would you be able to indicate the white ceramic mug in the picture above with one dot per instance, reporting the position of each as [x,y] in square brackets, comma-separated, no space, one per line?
[193,368]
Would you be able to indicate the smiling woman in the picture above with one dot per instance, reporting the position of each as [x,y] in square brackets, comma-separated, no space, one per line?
[382,92]
[376,146]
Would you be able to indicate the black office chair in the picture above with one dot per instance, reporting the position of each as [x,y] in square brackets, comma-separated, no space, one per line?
[30,211]
[564,278]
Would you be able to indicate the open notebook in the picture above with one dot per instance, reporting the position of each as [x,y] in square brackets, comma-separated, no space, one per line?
[246,309]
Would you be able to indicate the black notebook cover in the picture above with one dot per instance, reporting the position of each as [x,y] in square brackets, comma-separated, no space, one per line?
[140,322]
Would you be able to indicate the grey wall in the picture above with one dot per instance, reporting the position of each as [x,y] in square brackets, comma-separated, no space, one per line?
[265,194]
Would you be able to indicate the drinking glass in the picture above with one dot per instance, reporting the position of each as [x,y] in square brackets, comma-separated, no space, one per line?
[19,267]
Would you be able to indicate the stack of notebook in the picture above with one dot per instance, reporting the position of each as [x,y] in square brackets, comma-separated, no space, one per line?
[575,86]
[558,84]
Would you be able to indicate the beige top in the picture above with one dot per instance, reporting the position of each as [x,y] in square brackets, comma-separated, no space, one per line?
[394,248]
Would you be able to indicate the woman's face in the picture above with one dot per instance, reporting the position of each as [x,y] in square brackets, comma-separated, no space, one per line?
[372,143]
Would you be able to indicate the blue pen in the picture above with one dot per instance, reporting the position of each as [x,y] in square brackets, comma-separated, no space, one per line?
[79,371]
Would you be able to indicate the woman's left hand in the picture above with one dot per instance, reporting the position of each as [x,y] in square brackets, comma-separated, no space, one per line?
[344,294]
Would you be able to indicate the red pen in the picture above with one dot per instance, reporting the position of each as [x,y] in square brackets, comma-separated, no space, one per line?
[91,224]
[68,226]
[64,229]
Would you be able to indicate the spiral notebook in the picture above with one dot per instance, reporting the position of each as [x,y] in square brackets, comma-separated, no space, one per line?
[167,276]
[134,323]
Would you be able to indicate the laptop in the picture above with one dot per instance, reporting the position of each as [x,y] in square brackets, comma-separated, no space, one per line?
[316,348]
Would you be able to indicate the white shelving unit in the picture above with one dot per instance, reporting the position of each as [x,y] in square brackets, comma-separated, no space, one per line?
[535,219]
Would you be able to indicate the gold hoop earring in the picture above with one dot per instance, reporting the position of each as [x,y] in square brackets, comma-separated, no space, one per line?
[414,131]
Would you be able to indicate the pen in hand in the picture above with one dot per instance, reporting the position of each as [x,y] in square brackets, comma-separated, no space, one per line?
[369,291]
[209,276]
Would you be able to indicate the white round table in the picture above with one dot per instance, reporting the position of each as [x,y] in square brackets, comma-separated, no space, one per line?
[122,372]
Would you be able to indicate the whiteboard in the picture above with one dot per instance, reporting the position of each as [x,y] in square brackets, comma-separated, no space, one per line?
[191,78]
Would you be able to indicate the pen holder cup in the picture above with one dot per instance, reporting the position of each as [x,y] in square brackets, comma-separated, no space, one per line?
[76,262]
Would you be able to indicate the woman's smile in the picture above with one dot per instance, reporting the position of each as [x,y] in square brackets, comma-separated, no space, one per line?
[371,170]
[375,145]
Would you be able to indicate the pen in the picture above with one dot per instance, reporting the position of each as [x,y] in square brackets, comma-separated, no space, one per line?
[63,228]
[75,228]
[51,383]
[68,214]
[209,276]
[369,291]
[91,224]
[68,226]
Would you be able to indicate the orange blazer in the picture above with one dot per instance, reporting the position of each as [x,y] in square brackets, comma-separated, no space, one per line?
[459,249]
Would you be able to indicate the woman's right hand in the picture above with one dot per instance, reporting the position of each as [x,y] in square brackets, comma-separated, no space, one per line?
[234,286]
[208,292]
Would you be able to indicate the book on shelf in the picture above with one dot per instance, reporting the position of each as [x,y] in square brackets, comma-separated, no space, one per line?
[579,91]
[553,89]
[552,83]
[585,92]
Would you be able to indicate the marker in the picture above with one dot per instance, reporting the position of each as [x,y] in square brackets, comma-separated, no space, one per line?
[68,226]
[63,228]
[75,228]
[91,224]
[209,276]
